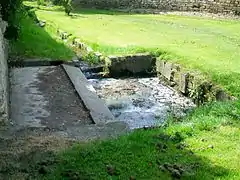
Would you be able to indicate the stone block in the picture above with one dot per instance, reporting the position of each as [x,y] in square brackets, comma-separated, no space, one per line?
[159,66]
[183,83]
[176,75]
[88,49]
[167,70]
[221,95]
[134,64]
[96,106]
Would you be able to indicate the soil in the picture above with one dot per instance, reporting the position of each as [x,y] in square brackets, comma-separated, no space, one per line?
[27,153]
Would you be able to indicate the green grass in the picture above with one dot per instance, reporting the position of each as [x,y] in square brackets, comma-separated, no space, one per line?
[36,42]
[211,46]
[211,134]
[211,150]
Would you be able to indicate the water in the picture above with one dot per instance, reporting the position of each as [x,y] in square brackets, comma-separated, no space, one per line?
[141,102]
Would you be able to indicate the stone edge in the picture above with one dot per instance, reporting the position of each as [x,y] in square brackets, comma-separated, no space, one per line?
[193,85]
[97,108]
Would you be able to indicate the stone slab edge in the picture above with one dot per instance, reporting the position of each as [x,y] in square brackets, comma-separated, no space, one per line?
[97,108]
[78,44]
[4,83]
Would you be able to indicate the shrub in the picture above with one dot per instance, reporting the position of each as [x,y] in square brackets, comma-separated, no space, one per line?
[41,2]
[67,4]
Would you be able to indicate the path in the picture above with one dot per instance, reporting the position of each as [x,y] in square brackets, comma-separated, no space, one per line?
[44,97]
[44,100]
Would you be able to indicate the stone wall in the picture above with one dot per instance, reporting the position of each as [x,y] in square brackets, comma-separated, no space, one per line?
[191,84]
[3,75]
[130,65]
[211,6]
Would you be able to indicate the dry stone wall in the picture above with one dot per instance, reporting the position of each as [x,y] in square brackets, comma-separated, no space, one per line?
[211,6]
[3,75]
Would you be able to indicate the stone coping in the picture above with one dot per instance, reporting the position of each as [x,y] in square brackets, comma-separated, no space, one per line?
[97,108]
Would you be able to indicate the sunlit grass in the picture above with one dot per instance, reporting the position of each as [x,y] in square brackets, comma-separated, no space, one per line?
[211,133]
[211,46]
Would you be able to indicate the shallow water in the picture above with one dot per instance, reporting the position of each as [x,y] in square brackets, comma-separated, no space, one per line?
[141,102]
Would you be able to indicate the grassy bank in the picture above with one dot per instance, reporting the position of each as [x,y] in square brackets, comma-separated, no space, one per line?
[36,42]
[204,146]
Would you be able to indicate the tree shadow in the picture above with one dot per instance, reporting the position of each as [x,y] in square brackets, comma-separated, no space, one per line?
[36,42]
[144,154]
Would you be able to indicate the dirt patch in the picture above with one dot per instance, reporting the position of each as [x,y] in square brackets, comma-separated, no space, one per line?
[43,101]
[25,155]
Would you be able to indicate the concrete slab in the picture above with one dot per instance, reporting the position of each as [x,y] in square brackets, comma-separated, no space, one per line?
[44,97]
[98,110]
[27,102]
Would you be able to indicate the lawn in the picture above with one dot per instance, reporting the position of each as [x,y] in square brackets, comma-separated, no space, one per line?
[211,46]
[205,144]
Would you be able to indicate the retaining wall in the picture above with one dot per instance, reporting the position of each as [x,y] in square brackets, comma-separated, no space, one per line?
[211,6]
[3,75]
[191,84]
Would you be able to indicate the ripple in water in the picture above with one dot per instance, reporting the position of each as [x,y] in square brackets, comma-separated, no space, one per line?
[141,102]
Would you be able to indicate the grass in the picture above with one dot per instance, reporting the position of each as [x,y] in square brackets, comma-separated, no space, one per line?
[208,45]
[204,145]
[36,42]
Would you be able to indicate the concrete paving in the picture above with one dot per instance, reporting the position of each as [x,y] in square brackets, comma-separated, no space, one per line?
[44,101]
[44,97]
[27,102]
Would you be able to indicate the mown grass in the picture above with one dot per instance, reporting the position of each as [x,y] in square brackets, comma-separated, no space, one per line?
[208,45]
[205,144]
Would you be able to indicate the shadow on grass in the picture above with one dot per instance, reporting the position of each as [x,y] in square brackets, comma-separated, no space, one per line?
[37,42]
[144,154]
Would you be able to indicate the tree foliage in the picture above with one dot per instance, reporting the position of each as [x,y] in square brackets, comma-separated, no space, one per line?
[9,10]
[67,4]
